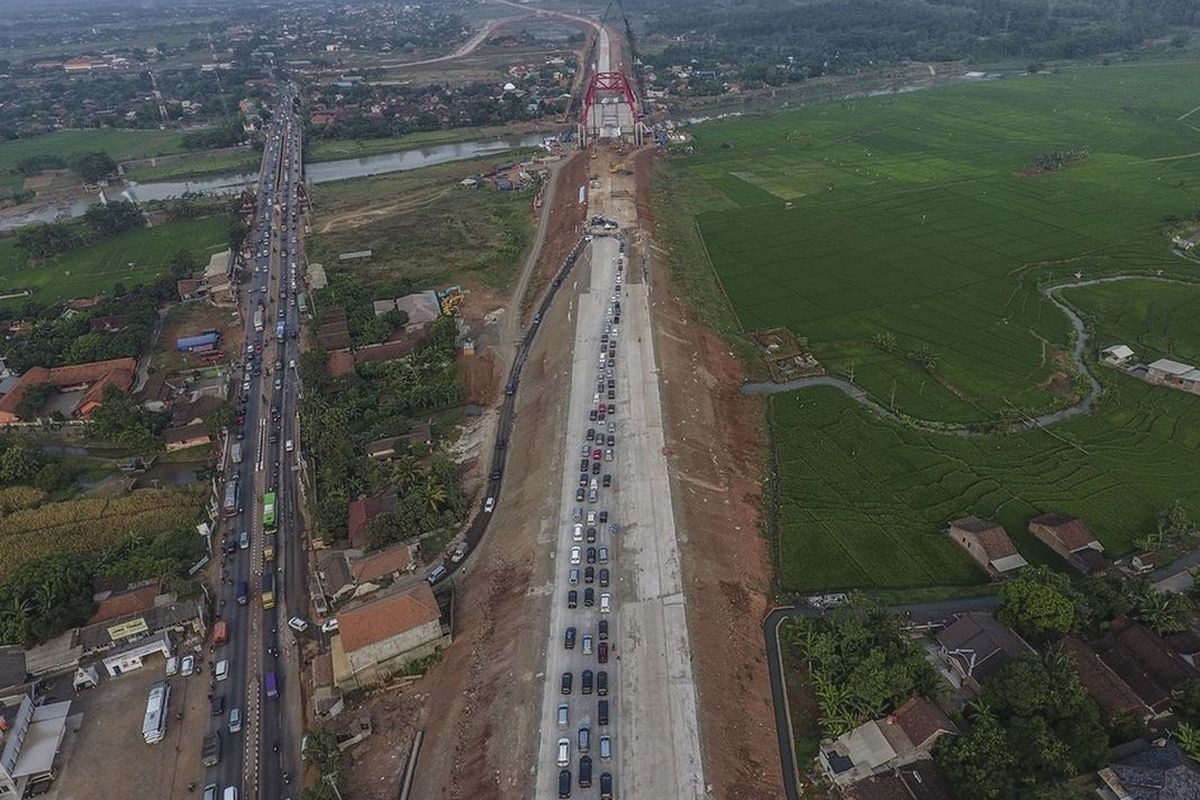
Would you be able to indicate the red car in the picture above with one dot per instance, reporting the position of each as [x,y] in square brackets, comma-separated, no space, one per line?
[602,652]
[596,454]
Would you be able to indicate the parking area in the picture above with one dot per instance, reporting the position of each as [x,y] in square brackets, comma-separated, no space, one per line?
[103,752]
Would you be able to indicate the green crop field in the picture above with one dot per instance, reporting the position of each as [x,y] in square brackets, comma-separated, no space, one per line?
[119,143]
[911,216]
[131,258]
[1158,320]
[917,219]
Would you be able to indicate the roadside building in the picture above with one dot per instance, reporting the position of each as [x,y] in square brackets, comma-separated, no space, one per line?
[421,435]
[164,613]
[1071,538]
[87,382]
[336,580]
[904,737]
[29,744]
[216,278]
[15,680]
[380,637]
[360,513]
[988,544]
[191,289]
[1174,374]
[373,571]
[422,308]
[1145,663]
[974,646]
[334,331]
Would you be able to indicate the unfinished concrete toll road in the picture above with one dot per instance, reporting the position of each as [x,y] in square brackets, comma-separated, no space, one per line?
[652,695]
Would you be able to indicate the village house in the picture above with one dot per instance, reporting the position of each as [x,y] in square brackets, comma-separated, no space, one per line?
[380,637]
[186,436]
[974,646]
[89,380]
[1117,356]
[920,780]
[1105,686]
[360,513]
[1166,372]
[1072,539]
[1150,771]
[1144,662]
[903,737]
[988,544]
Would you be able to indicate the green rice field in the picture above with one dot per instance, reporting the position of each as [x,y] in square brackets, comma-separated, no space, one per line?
[135,257]
[119,143]
[917,219]
[911,216]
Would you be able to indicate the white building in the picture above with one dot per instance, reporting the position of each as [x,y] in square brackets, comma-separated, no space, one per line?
[30,744]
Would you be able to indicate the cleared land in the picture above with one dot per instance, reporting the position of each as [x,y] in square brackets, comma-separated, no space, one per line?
[918,217]
[121,144]
[422,225]
[135,257]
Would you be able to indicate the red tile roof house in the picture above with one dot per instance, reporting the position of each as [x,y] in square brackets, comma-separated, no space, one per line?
[94,378]
[1070,538]
[975,645]
[1144,661]
[988,544]
[380,637]
[361,512]
[921,780]
[903,737]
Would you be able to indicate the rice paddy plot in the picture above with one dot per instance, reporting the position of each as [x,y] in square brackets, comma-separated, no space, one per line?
[917,217]
[865,502]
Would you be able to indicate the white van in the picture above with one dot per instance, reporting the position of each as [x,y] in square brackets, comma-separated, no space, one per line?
[564,752]
[221,672]
[230,793]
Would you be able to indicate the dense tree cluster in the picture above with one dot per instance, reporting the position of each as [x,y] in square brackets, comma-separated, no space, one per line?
[121,419]
[862,664]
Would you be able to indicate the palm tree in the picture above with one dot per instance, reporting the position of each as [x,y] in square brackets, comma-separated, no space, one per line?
[405,471]
[1165,612]
[435,495]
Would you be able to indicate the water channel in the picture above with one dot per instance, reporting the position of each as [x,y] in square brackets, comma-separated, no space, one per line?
[321,172]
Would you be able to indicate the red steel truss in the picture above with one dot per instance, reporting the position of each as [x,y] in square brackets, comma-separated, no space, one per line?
[608,82]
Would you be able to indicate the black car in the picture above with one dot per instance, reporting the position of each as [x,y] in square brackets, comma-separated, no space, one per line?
[602,630]
[606,481]
[501,443]
[589,574]
[591,434]
[595,467]
[591,535]
[495,475]
[567,680]
[591,555]
[602,683]
[603,517]
[564,783]
[592,415]
[605,786]
[589,597]
[218,702]
[579,493]
[585,772]
[585,682]
[572,598]
[584,465]
[603,578]
[612,409]
[602,712]
[583,479]
[612,440]
[569,639]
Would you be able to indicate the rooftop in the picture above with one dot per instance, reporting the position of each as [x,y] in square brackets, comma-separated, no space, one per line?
[1071,531]
[1158,773]
[387,617]
[980,644]
[378,565]
[922,721]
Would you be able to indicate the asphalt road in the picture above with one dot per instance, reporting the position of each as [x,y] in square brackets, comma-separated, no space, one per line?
[249,759]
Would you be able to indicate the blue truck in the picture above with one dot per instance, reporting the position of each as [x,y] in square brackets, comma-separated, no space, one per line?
[199,343]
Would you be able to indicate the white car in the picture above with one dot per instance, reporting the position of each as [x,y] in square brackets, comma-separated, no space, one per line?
[330,625]
[187,666]
[172,666]
[489,505]
[221,672]
[576,555]
[564,752]
[577,532]
[605,603]
[297,624]
[587,645]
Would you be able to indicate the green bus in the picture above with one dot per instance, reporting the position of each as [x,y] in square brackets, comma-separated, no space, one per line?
[269,510]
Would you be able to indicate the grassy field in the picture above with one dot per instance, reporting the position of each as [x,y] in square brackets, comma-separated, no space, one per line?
[131,258]
[917,217]
[121,144]
[422,225]
[198,166]
[911,216]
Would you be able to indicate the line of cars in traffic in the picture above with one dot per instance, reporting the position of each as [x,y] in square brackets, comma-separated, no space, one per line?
[589,578]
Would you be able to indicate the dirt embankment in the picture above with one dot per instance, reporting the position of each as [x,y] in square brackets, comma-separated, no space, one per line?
[481,717]
[563,228]
[713,434]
